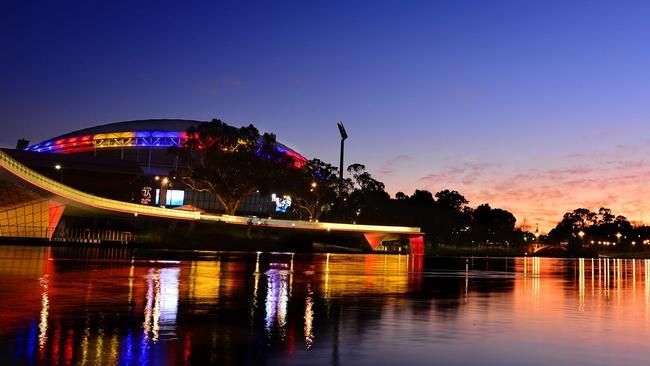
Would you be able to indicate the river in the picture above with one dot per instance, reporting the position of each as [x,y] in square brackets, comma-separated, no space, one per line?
[80,306]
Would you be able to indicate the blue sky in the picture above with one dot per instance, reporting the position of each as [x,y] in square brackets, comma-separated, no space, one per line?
[466,95]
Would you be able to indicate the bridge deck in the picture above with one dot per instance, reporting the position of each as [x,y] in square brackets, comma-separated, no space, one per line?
[76,198]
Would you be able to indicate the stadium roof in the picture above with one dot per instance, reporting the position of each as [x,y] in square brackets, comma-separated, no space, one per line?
[148,133]
[136,125]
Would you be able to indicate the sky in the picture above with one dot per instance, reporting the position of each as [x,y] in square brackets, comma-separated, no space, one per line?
[537,107]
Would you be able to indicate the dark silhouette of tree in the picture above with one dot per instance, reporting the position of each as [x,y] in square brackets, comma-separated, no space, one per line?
[492,225]
[364,181]
[400,196]
[605,216]
[451,200]
[366,198]
[601,231]
[421,198]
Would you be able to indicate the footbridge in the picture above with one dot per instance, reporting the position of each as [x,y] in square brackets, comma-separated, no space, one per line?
[31,206]
[539,248]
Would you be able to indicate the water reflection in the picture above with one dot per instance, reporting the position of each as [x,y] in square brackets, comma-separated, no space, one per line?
[277,299]
[264,308]
[162,303]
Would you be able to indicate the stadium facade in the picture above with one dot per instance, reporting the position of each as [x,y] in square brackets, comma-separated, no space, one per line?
[131,161]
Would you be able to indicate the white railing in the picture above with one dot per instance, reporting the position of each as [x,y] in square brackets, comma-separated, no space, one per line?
[86,199]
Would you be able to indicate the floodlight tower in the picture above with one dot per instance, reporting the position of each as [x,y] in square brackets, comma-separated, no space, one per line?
[344,135]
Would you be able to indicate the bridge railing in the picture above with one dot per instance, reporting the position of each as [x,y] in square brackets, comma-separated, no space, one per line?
[90,200]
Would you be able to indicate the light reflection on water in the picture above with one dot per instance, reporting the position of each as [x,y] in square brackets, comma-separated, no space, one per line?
[64,306]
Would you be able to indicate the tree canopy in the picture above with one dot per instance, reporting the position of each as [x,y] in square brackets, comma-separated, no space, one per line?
[231,163]
[234,163]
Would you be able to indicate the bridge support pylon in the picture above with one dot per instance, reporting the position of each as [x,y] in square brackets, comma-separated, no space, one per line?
[416,242]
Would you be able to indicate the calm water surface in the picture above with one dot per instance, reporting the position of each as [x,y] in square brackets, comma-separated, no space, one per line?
[90,307]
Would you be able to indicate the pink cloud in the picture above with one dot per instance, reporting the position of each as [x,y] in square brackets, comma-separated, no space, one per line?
[389,167]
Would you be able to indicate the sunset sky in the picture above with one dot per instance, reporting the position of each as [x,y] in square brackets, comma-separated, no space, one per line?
[538,107]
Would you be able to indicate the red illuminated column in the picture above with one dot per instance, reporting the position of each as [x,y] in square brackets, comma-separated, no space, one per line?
[416,245]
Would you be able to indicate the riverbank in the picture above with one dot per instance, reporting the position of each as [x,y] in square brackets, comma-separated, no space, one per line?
[449,250]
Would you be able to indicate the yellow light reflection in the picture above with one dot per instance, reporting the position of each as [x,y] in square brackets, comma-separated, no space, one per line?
[309,317]
[256,281]
[85,344]
[99,346]
[205,281]
[581,284]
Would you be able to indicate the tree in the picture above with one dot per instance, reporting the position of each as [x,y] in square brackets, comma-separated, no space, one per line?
[451,200]
[572,223]
[315,188]
[364,180]
[605,216]
[492,224]
[366,198]
[422,197]
[231,163]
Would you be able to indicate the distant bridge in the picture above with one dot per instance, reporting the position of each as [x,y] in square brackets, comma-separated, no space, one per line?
[537,248]
[31,206]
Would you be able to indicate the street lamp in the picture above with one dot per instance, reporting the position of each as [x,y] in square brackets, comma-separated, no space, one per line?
[581,234]
[618,236]
[162,197]
[58,168]
[344,136]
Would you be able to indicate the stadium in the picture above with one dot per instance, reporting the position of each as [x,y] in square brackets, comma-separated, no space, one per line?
[131,161]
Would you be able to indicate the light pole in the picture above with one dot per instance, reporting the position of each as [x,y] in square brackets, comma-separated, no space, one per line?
[162,197]
[313,189]
[344,136]
[58,168]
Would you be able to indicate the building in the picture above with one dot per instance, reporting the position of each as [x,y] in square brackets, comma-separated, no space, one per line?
[131,161]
